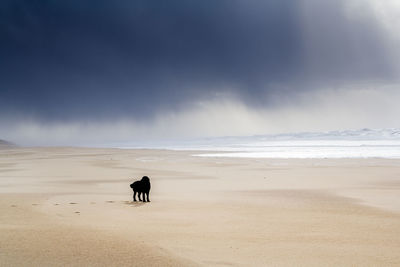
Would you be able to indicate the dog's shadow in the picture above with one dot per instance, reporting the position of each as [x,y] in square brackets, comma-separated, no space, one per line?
[134,204]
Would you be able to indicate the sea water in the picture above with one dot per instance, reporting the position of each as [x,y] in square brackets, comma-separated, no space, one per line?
[365,143]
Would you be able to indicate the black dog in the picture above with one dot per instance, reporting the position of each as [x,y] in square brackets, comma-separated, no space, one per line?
[141,187]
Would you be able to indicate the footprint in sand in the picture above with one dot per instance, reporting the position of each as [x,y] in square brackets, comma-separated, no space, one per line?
[92,203]
[134,204]
[56,204]
[73,203]
[13,206]
[34,204]
[110,201]
[78,212]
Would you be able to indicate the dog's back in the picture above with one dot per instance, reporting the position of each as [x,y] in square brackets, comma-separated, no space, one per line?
[136,185]
[141,186]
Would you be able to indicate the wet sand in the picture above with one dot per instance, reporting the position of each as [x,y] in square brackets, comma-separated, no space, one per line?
[73,206]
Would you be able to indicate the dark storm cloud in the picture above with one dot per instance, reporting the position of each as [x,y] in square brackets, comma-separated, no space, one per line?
[344,42]
[62,60]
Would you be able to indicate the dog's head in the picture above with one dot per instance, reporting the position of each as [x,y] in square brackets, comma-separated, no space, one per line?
[145,179]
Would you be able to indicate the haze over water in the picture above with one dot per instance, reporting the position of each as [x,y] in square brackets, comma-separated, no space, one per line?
[365,143]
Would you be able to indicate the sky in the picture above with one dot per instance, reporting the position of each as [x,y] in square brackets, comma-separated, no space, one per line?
[93,72]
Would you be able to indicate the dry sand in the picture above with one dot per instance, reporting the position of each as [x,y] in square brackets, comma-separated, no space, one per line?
[72,206]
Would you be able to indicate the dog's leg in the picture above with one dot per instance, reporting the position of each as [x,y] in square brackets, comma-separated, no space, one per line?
[139,195]
[147,193]
[134,195]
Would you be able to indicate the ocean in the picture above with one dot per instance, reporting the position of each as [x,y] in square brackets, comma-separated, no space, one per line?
[364,143]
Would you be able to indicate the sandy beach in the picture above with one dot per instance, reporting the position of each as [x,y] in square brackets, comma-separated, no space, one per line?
[73,206]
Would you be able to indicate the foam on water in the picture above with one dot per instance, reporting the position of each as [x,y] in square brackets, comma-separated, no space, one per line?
[310,150]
